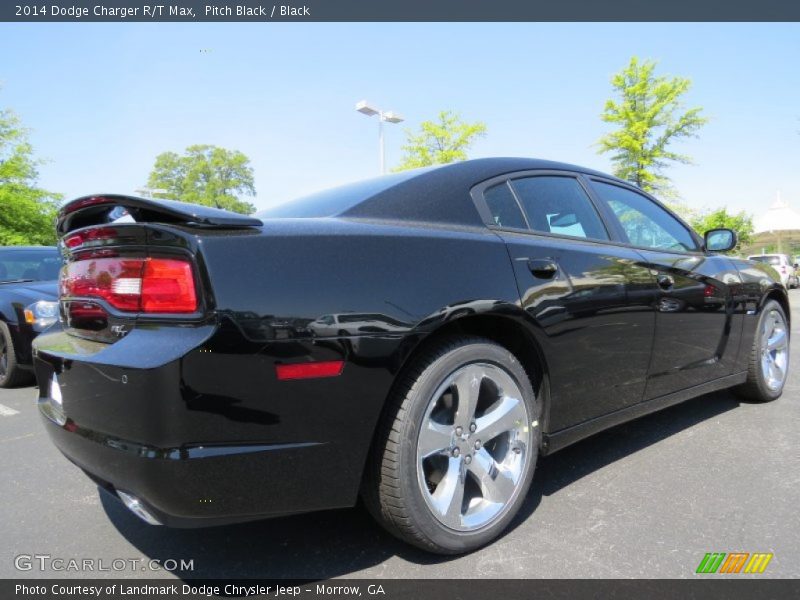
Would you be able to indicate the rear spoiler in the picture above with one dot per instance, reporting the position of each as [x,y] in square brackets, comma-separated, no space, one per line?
[105,208]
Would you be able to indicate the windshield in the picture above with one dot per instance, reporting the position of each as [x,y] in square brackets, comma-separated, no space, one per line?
[35,264]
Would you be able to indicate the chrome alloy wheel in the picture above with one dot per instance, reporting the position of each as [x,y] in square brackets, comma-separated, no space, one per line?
[774,350]
[473,447]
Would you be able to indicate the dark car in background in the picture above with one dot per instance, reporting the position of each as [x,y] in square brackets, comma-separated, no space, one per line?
[28,306]
[419,339]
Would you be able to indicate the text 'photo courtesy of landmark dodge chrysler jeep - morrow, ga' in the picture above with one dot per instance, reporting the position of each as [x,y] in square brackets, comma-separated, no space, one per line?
[418,339]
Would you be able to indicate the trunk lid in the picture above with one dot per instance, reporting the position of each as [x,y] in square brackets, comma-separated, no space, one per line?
[132,261]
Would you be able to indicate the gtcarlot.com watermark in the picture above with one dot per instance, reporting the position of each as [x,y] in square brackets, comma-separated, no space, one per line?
[47,562]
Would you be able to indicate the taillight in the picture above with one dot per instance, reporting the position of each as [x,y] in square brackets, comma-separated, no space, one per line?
[168,286]
[150,285]
[98,233]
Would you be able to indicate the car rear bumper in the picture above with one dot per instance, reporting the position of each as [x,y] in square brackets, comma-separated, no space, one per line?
[181,487]
[205,434]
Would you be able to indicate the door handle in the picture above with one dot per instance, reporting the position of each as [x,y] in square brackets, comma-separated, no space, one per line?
[542,267]
[665,282]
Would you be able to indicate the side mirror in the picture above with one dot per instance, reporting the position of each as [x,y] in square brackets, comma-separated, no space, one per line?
[720,240]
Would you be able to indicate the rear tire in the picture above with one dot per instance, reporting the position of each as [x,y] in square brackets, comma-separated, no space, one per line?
[11,374]
[768,364]
[430,479]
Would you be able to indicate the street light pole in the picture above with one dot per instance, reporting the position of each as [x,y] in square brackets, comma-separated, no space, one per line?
[381,145]
[388,116]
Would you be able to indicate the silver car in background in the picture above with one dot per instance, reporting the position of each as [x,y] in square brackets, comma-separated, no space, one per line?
[783,265]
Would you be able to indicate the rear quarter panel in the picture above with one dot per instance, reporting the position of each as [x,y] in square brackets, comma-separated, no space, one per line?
[385,285]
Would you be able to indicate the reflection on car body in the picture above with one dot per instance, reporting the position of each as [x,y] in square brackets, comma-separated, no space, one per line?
[355,324]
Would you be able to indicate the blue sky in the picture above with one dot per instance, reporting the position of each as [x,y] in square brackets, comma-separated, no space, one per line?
[104,99]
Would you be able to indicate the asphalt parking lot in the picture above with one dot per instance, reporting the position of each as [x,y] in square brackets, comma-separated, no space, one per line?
[646,499]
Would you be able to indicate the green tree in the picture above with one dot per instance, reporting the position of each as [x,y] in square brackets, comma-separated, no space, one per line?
[649,115]
[206,175]
[440,142]
[741,223]
[27,212]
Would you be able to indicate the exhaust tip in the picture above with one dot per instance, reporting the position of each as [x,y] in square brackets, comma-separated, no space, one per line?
[135,505]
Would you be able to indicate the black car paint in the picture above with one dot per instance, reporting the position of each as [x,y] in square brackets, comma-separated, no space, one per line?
[188,414]
[15,296]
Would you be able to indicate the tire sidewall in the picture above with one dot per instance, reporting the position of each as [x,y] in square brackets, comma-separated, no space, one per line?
[6,378]
[449,540]
[762,385]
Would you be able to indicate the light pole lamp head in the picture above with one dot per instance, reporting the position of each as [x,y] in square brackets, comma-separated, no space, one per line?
[393,117]
[366,109]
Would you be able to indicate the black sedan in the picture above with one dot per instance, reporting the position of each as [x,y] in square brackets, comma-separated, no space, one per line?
[28,306]
[419,339]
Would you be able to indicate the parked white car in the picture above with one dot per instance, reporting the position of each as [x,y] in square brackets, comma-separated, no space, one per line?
[783,265]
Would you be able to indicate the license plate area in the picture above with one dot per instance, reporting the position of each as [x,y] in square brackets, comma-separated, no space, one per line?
[51,398]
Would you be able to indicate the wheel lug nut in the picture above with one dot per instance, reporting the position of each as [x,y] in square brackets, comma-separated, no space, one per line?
[478,445]
[467,459]
[472,427]
[459,431]
[456,452]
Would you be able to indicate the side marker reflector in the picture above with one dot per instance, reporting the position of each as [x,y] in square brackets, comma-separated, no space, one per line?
[329,368]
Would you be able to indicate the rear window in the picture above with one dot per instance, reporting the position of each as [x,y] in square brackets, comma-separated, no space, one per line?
[31,265]
[770,260]
[504,208]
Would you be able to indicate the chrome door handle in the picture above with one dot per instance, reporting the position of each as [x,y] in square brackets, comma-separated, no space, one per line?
[543,268]
[665,282]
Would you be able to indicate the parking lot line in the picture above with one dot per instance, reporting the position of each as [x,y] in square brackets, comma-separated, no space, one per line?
[6,411]
[18,437]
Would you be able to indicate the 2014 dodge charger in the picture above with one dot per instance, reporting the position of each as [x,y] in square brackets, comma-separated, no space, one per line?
[419,339]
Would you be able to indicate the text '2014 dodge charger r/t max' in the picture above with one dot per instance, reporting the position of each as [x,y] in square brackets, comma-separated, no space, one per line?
[419,339]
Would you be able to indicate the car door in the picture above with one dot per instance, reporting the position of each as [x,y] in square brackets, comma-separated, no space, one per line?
[574,285]
[691,292]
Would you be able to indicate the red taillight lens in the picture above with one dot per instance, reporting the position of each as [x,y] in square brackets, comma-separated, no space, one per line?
[116,280]
[168,286]
[98,233]
[151,285]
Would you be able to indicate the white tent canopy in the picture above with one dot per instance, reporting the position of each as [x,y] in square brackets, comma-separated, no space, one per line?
[778,226]
[779,217]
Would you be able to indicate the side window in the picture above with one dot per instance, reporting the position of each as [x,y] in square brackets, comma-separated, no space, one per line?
[503,206]
[557,204]
[645,222]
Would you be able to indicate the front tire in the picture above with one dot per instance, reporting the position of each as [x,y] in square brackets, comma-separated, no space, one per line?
[454,455]
[769,357]
[10,372]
